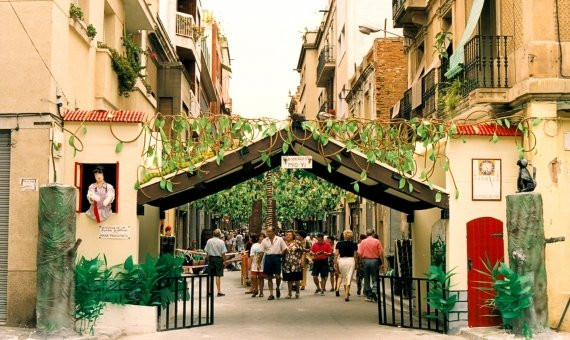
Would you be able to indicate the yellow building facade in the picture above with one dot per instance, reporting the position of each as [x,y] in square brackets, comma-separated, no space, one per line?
[515,63]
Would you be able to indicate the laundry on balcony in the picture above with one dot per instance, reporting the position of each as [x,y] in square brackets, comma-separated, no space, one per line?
[396,109]
[416,94]
[457,59]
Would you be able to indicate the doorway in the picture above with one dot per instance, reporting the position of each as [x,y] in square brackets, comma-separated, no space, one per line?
[484,240]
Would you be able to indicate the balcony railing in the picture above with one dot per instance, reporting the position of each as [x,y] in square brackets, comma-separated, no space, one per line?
[487,62]
[184,24]
[325,66]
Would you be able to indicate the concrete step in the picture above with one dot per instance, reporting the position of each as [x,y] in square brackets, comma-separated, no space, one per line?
[496,333]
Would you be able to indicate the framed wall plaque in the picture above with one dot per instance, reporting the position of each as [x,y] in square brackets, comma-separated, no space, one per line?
[486,180]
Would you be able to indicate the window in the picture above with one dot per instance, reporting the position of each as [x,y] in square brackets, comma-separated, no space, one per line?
[84,178]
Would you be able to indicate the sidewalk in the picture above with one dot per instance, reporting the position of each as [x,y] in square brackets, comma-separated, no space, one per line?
[238,316]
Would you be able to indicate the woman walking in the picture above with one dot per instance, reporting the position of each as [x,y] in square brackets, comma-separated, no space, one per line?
[333,268]
[256,265]
[345,256]
[293,264]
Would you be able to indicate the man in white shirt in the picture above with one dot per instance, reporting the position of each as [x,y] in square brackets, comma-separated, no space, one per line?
[216,250]
[273,247]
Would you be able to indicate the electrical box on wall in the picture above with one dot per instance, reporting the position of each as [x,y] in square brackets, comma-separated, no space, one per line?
[567,141]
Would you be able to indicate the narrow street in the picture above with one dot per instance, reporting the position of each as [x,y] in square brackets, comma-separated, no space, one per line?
[238,316]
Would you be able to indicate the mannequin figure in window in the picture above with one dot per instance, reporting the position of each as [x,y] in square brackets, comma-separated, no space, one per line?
[100,195]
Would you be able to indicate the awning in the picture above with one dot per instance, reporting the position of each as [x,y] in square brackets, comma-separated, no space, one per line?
[487,129]
[380,186]
[457,59]
[122,116]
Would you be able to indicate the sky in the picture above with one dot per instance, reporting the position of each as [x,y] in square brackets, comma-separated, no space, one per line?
[264,37]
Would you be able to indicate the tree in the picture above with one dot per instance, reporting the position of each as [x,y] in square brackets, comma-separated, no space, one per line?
[298,194]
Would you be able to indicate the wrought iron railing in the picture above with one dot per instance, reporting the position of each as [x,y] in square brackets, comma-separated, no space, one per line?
[184,24]
[326,56]
[192,305]
[487,62]
[402,303]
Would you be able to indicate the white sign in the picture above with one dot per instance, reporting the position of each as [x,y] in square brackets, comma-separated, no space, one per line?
[567,141]
[115,232]
[297,162]
[28,184]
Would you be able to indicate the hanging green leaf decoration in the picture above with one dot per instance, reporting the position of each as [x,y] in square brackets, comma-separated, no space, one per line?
[402,183]
[119,147]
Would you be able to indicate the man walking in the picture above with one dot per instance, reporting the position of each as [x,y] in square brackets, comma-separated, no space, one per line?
[320,252]
[216,250]
[273,247]
[370,251]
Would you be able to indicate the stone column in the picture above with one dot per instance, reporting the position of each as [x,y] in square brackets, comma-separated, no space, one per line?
[525,227]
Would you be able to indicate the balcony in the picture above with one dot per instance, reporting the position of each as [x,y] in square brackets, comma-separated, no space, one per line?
[186,32]
[327,107]
[405,12]
[326,66]
[487,62]
[138,16]
[485,70]
[184,24]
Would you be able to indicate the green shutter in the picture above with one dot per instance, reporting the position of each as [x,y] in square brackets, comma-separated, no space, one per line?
[457,59]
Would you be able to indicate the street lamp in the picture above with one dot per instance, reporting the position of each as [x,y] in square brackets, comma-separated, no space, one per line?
[367,30]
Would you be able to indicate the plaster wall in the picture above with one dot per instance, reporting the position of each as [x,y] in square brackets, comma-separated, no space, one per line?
[348,15]
[550,146]
[464,209]
[29,159]
[22,66]
[308,102]
[99,147]
[149,227]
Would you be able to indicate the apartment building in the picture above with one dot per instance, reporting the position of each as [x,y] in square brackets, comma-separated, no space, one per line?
[332,52]
[511,58]
[331,83]
[379,81]
[61,74]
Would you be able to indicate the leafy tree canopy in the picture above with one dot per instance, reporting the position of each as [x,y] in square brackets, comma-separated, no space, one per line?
[298,195]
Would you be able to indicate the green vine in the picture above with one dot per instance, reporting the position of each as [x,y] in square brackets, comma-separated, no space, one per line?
[392,142]
[128,66]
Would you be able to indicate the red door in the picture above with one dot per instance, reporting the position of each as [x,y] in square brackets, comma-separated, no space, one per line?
[484,240]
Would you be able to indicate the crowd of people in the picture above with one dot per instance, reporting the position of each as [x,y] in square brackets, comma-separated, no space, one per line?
[291,255]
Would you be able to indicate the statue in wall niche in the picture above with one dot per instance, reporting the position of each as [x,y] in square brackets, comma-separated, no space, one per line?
[525,182]
[100,195]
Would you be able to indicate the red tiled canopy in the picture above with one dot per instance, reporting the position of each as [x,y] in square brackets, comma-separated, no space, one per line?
[121,116]
[487,129]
